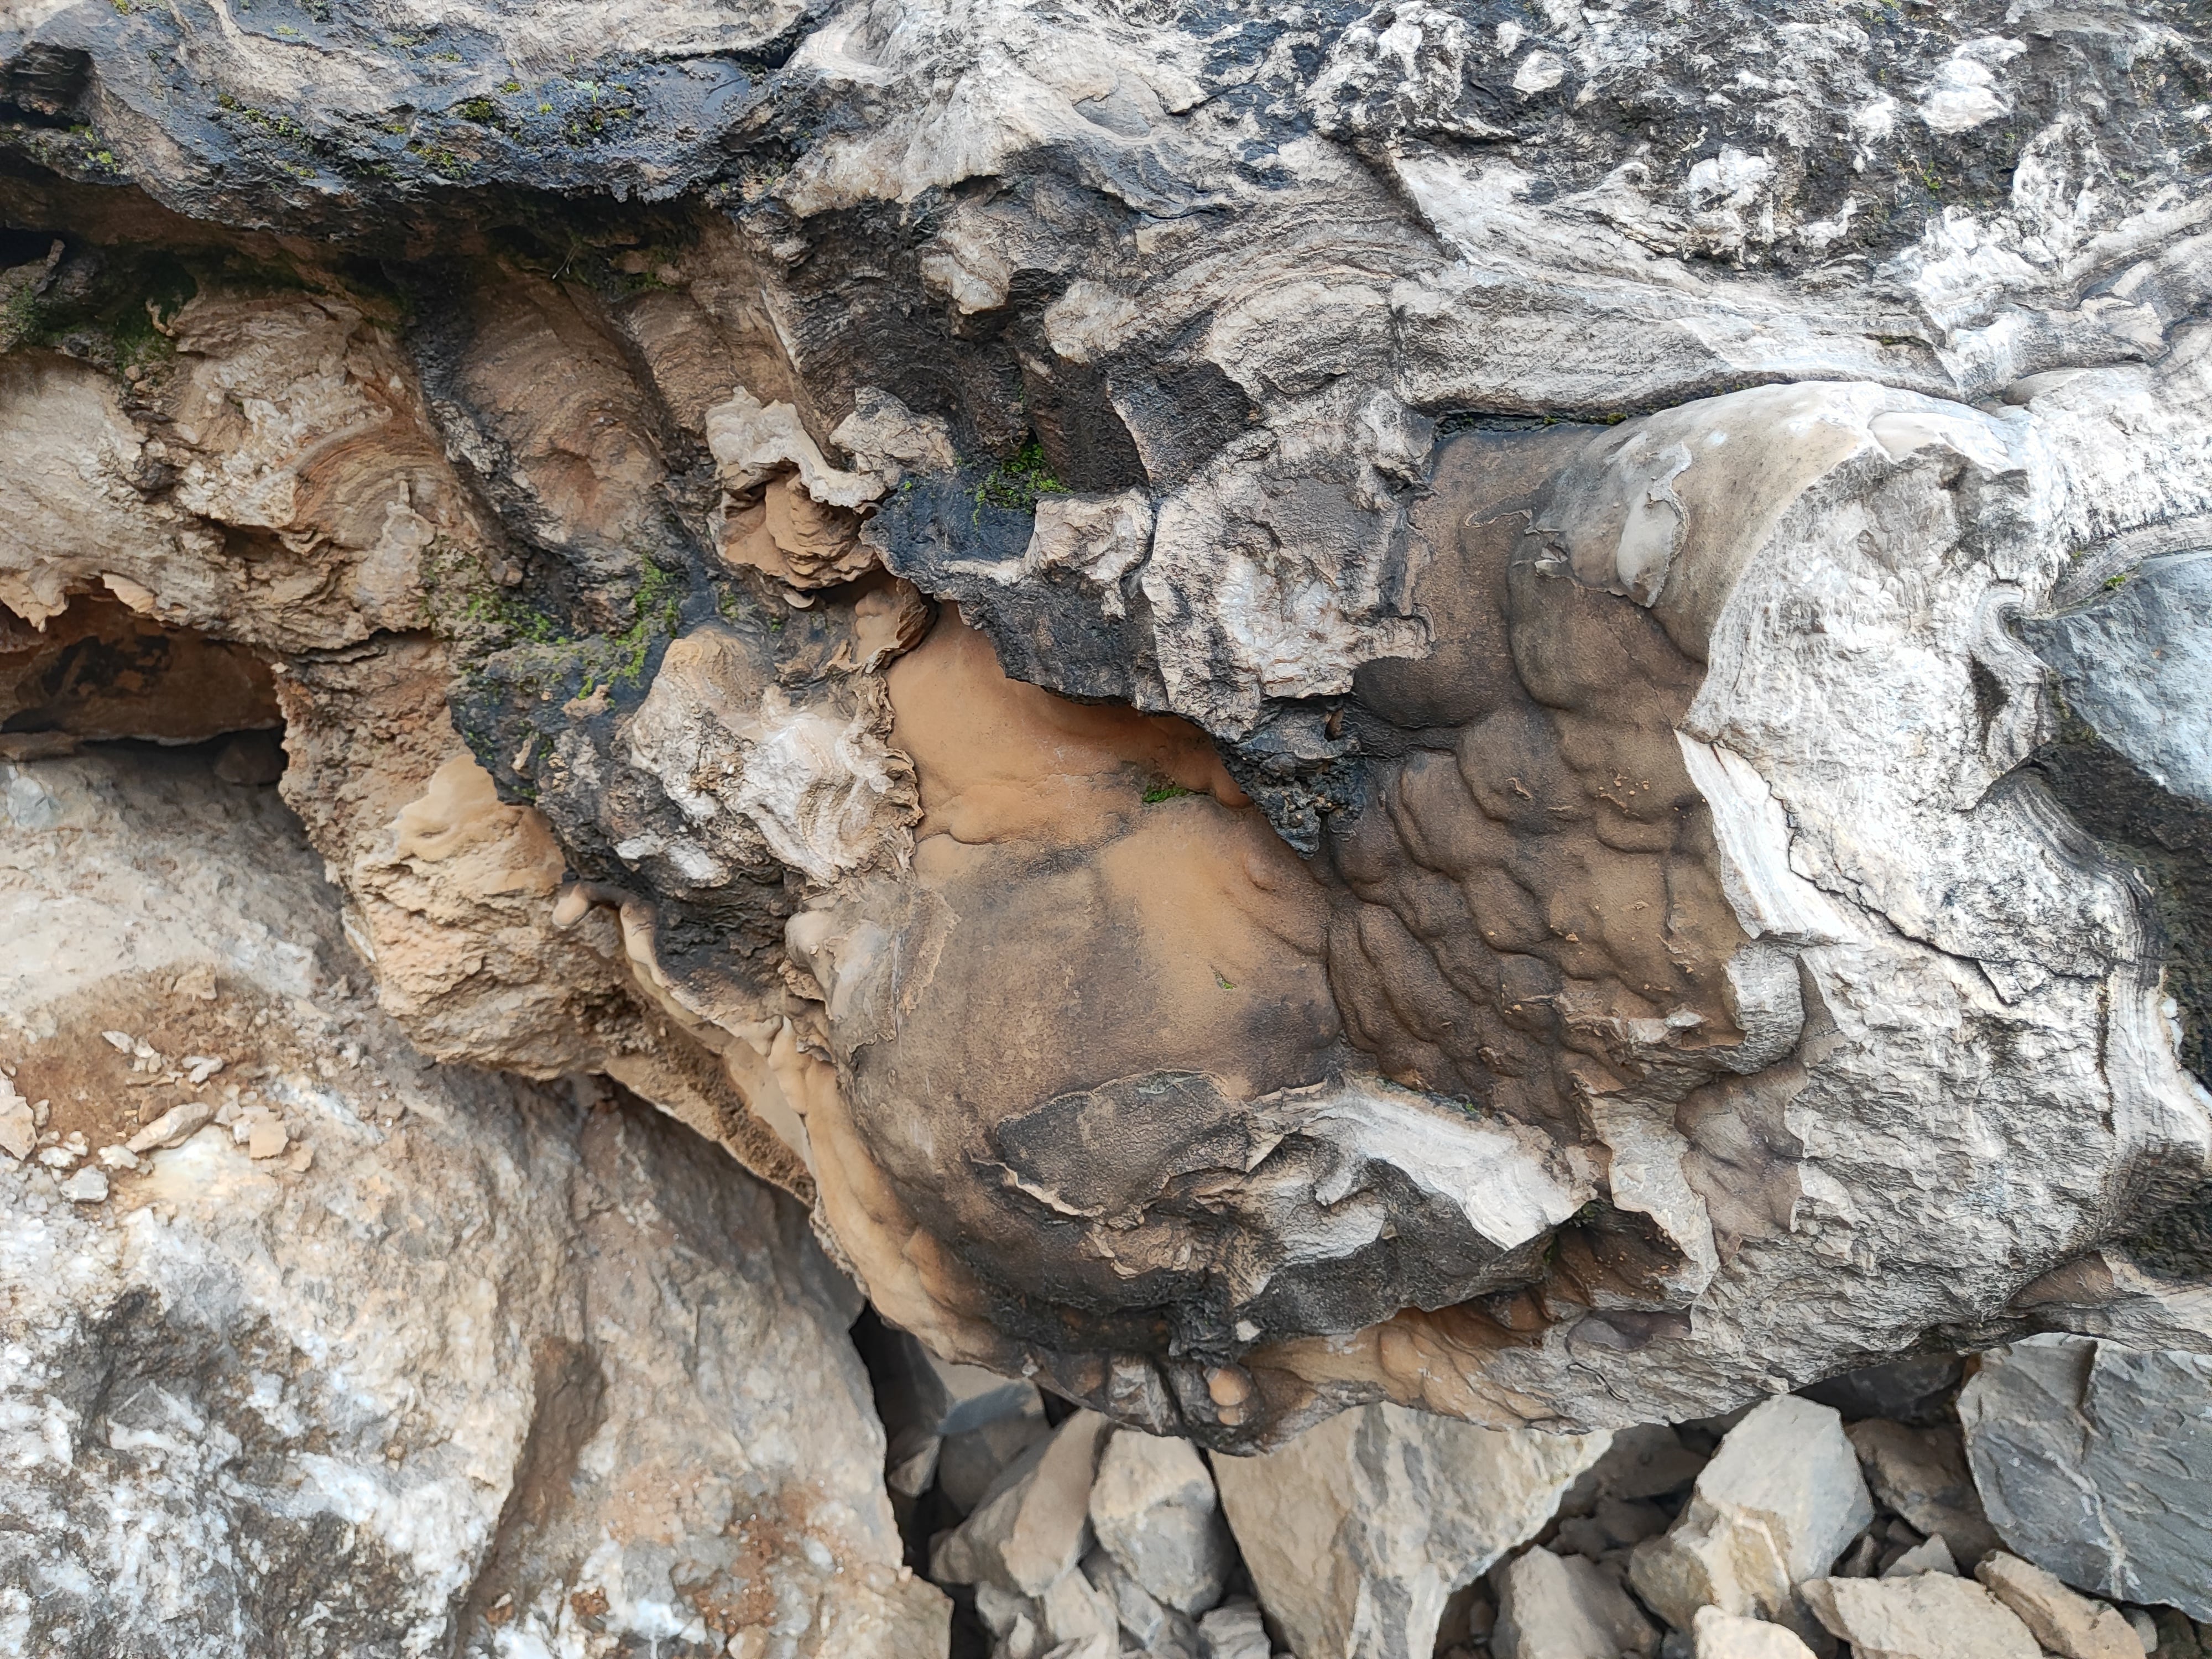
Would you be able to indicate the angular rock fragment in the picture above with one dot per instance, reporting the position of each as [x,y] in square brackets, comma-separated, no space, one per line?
[2070,1625]
[1554,1606]
[1160,1630]
[1358,1531]
[1154,1509]
[1728,1636]
[1033,1527]
[1778,1504]
[2095,1463]
[174,1128]
[1932,1616]
[19,1130]
[1233,1631]
[1931,1554]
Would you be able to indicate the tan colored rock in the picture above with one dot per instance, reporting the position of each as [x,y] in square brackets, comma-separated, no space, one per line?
[1779,1501]
[174,1128]
[19,1130]
[1358,1531]
[1727,1635]
[1553,1607]
[2070,1625]
[1931,1616]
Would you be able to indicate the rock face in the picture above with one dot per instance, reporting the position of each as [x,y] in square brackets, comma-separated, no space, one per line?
[350,1353]
[1300,708]
[2095,1463]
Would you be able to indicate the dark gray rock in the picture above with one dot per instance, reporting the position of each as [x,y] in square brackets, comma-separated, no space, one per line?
[2094,1461]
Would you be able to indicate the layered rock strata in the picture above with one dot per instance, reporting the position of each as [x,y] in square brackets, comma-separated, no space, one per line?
[1479,707]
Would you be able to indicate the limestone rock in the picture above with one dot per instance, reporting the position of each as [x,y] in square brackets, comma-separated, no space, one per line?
[1727,1635]
[1932,1616]
[1931,1554]
[1031,1529]
[1779,1501]
[1553,1606]
[1357,1532]
[1154,1509]
[505,1362]
[2068,1624]
[1230,685]
[2095,1464]
[1921,1474]
[1233,1631]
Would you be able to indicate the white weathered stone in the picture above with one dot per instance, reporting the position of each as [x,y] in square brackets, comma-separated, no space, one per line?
[1728,1636]
[19,1130]
[1555,1607]
[502,1349]
[87,1186]
[2070,1625]
[1779,1501]
[1357,1532]
[1929,1617]
[1033,1526]
[2095,1463]
[174,1128]
[1154,1509]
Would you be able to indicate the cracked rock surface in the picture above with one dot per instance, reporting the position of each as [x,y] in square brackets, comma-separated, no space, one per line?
[475,1365]
[1483,706]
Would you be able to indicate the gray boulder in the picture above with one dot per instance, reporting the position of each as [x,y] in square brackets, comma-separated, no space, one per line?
[2095,1463]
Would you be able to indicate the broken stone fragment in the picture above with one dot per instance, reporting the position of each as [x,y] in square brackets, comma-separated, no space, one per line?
[1728,1636]
[1320,1521]
[1233,1631]
[174,1128]
[87,1186]
[1155,1510]
[1033,1526]
[1563,1607]
[117,1157]
[969,1462]
[265,1138]
[1781,1500]
[2070,1625]
[19,1129]
[1931,1554]
[1162,1632]
[2095,1463]
[1921,1474]
[1932,1616]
